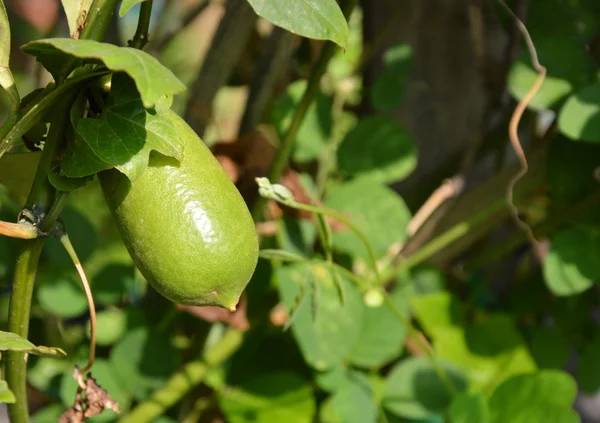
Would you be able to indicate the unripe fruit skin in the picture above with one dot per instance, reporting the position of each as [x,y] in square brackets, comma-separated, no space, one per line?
[185,225]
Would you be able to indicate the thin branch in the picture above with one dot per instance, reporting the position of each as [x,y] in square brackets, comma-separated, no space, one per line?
[21,230]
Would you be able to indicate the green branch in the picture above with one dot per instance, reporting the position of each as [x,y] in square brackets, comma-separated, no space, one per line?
[141,33]
[182,382]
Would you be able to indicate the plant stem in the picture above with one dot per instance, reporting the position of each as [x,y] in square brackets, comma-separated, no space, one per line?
[99,17]
[181,382]
[20,299]
[312,88]
[141,33]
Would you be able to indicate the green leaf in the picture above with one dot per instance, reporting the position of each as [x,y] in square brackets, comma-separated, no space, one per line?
[382,334]
[110,285]
[333,379]
[142,361]
[62,296]
[4,36]
[106,377]
[378,148]
[275,397]
[415,391]
[569,67]
[324,342]
[12,342]
[319,19]
[6,396]
[352,403]
[376,210]
[64,183]
[17,171]
[469,408]
[546,396]
[388,89]
[126,6]
[579,118]
[153,81]
[315,129]
[123,136]
[589,368]
[75,10]
[549,348]
[572,265]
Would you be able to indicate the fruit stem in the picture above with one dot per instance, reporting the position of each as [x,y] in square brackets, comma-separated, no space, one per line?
[141,33]
[312,89]
[183,381]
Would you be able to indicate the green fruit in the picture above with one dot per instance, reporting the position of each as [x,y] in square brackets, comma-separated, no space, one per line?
[185,225]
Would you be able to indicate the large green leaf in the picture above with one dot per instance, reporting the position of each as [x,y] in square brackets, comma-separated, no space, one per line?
[415,391]
[469,408]
[142,361]
[61,296]
[75,11]
[6,396]
[12,342]
[579,119]
[122,136]
[316,126]
[268,398]
[153,81]
[438,312]
[546,396]
[326,340]
[354,402]
[376,210]
[378,148]
[589,368]
[382,333]
[572,264]
[319,19]
[126,6]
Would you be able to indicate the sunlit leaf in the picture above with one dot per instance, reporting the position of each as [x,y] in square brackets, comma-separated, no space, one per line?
[572,264]
[579,118]
[4,36]
[320,19]
[153,81]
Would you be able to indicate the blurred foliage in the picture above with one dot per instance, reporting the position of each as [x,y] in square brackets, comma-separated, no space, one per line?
[503,335]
